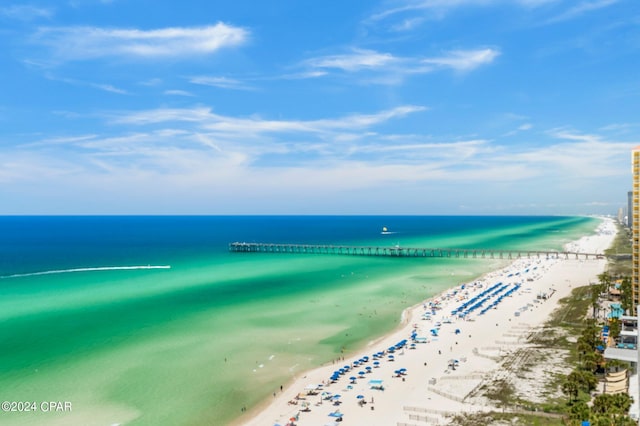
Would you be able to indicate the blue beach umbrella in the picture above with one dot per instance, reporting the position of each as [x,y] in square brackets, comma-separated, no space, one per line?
[360,396]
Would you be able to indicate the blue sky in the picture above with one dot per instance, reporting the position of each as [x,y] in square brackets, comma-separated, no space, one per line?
[309,107]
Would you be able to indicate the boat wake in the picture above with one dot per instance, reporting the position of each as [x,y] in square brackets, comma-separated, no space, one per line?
[99,268]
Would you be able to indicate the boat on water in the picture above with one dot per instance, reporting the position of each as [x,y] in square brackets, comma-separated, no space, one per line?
[385,231]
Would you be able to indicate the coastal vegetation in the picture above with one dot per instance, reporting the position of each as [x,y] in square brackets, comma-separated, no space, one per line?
[574,332]
[619,254]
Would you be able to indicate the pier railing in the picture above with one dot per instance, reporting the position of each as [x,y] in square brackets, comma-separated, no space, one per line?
[397,251]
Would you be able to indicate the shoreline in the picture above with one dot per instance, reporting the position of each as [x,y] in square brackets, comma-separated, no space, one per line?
[426,362]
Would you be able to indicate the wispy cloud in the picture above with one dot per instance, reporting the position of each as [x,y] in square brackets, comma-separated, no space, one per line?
[211,121]
[439,8]
[82,43]
[407,24]
[303,75]
[174,152]
[100,86]
[582,8]
[385,68]
[407,15]
[177,92]
[220,82]
[151,82]
[25,12]
[464,60]
[358,60]
[522,128]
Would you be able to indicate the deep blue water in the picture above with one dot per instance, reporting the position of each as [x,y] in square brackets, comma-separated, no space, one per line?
[40,243]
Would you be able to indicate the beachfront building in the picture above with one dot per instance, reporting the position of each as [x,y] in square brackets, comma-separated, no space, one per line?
[624,348]
[629,209]
[635,230]
[635,258]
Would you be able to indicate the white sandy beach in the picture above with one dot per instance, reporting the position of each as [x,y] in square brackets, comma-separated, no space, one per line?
[431,389]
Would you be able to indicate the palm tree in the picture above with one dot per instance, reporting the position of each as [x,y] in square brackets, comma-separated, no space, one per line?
[571,387]
[625,294]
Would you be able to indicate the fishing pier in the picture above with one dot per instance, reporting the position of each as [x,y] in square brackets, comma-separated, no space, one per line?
[397,251]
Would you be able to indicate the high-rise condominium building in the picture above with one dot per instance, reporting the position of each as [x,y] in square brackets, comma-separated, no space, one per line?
[635,228]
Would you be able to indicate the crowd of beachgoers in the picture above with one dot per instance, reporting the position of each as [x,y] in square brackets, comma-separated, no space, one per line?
[443,349]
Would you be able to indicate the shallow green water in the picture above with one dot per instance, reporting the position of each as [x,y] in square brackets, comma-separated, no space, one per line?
[218,332]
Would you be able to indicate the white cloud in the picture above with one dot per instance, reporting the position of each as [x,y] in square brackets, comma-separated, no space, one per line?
[176,92]
[101,86]
[582,8]
[439,8]
[80,43]
[25,12]
[464,60]
[358,60]
[407,24]
[304,75]
[109,88]
[151,82]
[212,121]
[187,161]
[387,69]
[221,82]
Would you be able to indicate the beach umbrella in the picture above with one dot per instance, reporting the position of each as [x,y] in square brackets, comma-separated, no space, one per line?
[368,368]
[352,378]
[335,414]
[376,363]
[360,396]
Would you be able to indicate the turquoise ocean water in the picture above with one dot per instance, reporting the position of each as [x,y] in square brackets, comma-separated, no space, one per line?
[197,333]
